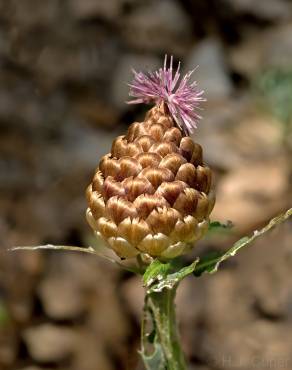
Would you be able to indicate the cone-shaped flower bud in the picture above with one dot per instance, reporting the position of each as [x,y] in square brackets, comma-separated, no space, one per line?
[152,194]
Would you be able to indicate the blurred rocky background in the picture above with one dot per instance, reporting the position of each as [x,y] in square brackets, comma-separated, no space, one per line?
[64,68]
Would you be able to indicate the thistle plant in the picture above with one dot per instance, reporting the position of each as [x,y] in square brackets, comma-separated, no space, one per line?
[150,201]
[151,195]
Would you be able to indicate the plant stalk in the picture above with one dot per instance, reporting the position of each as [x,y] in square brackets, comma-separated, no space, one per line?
[161,308]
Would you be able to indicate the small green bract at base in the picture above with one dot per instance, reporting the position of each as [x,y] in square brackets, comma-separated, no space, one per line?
[159,276]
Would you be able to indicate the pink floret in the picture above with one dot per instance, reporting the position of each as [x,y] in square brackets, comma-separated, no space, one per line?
[181,96]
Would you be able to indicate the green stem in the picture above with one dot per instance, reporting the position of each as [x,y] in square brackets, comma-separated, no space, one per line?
[162,309]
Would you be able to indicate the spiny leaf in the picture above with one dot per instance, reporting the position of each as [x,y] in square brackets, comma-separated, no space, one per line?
[210,265]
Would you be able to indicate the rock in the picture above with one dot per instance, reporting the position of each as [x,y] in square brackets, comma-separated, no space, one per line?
[232,333]
[213,133]
[233,143]
[92,144]
[133,292]
[212,75]
[219,153]
[278,52]
[224,291]
[272,297]
[97,112]
[29,110]
[156,26]
[262,141]
[263,9]
[123,75]
[8,350]
[248,198]
[246,57]
[49,343]
[105,314]
[31,13]
[262,50]
[55,65]
[190,303]
[61,297]
[33,368]
[108,9]
[108,317]
[20,266]
[4,44]
[91,353]
[258,345]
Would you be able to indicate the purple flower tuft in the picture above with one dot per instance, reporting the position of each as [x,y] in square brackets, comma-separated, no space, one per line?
[181,97]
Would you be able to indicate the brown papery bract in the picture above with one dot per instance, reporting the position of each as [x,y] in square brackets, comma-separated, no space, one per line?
[187,173]
[152,193]
[109,166]
[133,230]
[149,159]
[146,203]
[157,175]
[162,220]
[173,162]
[136,186]
[112,188]
[117,209]
[171,190]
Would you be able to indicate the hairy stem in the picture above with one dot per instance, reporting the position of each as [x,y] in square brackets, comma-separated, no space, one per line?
[161,307]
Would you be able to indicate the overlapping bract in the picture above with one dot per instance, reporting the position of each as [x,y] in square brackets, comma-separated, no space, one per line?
[151,194]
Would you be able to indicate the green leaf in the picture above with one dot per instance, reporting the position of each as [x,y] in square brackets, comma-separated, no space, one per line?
[207,262]
[70,248]
[159,275]
[156,271]
[171,280]
[211,264]
[156,360]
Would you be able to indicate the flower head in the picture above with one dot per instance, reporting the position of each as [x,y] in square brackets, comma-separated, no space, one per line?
[181,96]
